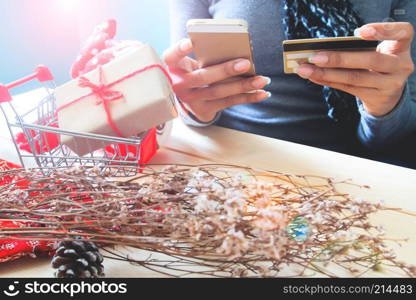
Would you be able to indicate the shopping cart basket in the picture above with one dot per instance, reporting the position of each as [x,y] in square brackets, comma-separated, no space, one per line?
[33,126]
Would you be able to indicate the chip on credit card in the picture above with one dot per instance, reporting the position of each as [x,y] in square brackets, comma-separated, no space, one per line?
[297,52]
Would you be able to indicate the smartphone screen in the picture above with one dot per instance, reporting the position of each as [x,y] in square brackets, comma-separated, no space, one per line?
[216,41]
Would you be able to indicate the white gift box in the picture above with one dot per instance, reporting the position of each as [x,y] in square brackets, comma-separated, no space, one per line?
[147,100]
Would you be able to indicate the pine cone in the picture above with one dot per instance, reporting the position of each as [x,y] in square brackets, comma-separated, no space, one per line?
[78,259]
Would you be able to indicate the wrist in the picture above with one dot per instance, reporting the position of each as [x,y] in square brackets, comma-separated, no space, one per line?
[383,109]
[204,119]
[380,110]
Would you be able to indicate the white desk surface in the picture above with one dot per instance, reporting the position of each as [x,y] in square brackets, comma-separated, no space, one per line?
[396,186]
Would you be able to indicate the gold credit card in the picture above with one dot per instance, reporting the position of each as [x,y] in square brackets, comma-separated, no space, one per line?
[297,52]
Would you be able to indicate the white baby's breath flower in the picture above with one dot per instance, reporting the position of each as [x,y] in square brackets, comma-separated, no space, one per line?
[305,208]
[316,218]
[204,205]
[270,219]
[343,236]
[355,209]
[381,229]
[234,245]
[272,249]
[358,200]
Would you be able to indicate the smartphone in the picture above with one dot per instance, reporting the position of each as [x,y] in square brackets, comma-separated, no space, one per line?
[216,41]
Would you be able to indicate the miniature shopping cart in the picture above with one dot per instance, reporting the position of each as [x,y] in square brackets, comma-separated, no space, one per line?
[34,129]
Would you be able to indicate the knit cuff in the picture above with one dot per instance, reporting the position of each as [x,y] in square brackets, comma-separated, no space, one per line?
[190,119]
[377,131]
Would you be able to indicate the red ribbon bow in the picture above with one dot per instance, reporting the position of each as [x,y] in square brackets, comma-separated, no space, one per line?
[101,91]
[105,95]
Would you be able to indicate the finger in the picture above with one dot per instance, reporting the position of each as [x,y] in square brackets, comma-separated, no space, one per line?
[368,60]
[359,78]
[112,43]
[209,75]
[353,90]
[121,44]
[124,47]
[101,58]
[187,64]
[176,53]
[224,90]
[109,27]
[245,98]
[92,47]
[402,32]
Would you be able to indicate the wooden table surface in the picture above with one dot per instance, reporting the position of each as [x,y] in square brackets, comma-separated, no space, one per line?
[396,186]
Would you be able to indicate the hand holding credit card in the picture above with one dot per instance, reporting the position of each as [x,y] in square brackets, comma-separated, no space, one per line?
[374,67]
[297,52]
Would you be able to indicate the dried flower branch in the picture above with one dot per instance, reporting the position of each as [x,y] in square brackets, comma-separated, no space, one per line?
[206,220]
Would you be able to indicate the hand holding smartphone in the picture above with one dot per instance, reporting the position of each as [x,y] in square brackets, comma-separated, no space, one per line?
[222,74]
[216,41]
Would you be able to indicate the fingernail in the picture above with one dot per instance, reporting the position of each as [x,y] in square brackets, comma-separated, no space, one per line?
[242,65]
[320,58]
[185,45]
[357,32]
[305,71]
[187,65]
[268,80]
[260,82]
[368,31]
[262,92]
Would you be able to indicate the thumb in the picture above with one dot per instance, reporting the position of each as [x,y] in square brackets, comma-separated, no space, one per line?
[401,33]
[177,52]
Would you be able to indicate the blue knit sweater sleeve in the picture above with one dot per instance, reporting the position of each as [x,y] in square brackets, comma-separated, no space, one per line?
[183,10]
[378,131]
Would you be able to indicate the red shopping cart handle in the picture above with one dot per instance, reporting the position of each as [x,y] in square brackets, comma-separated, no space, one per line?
[4,94]
[42,74]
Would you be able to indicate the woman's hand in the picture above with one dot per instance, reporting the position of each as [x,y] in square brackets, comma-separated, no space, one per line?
[101,56]
[377,78]
[200,89]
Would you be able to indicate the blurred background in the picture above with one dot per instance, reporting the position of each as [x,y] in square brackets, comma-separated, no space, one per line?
[51,32]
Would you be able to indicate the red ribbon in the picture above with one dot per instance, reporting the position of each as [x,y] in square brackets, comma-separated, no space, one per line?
[104,93]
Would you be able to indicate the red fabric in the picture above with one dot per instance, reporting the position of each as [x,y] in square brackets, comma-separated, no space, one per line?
[4,166]
[148,148]
[11,249]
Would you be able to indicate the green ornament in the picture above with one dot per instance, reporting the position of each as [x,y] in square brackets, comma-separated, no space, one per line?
[298,229]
